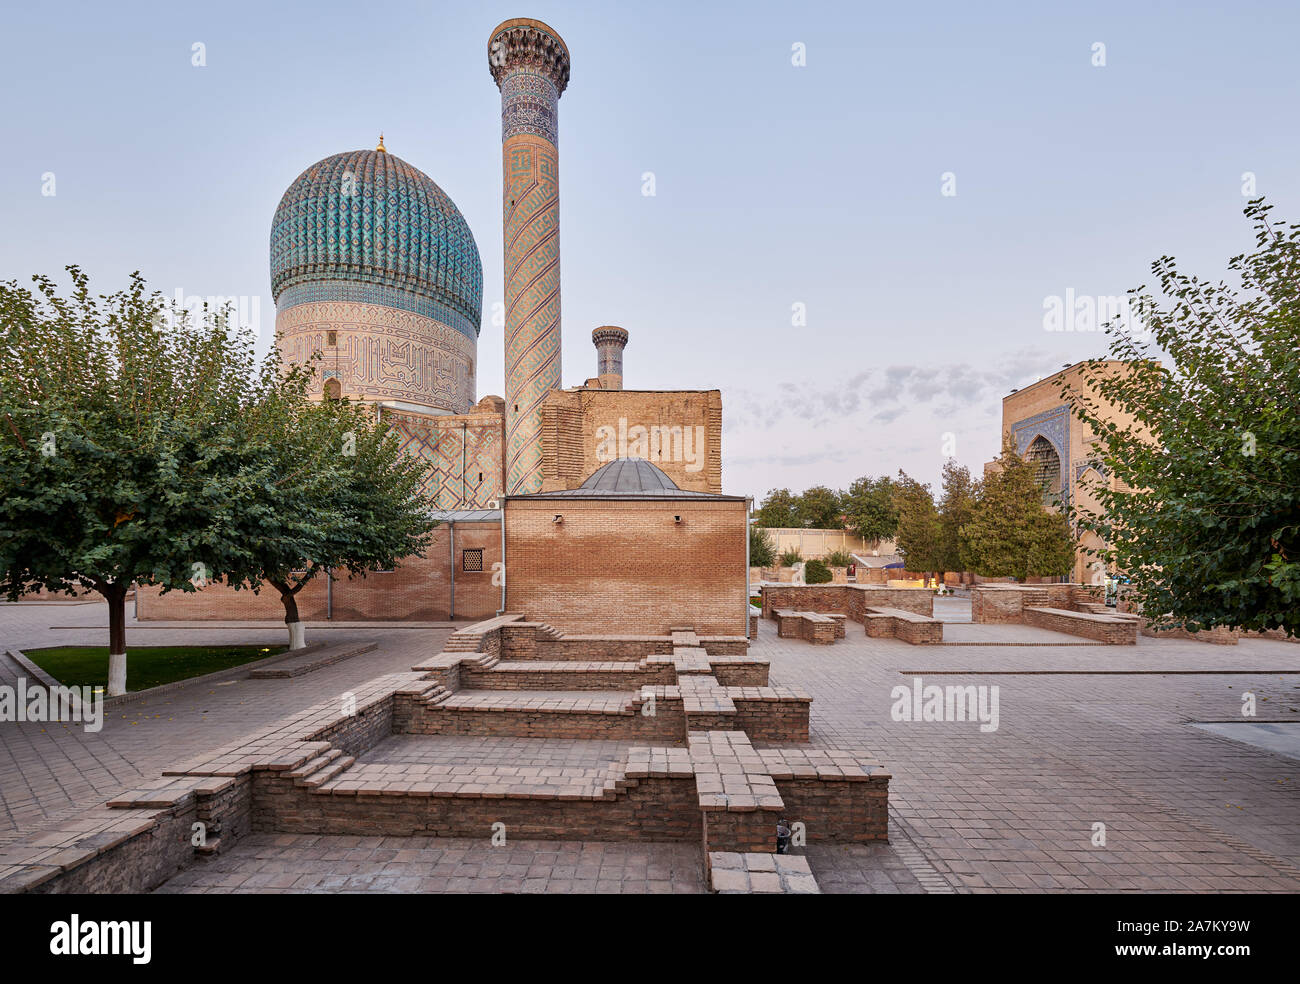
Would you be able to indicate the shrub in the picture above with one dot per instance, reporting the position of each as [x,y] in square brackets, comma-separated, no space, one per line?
[815,572]
[761,550]
[790,557]
[838,558]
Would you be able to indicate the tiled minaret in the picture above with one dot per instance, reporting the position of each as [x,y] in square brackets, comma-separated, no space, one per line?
[610,341]
[530,64]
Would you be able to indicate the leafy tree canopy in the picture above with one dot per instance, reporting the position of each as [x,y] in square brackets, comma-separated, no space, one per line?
[1202,509]
[918,524]
[1011,533]
[777,510]
[869,508]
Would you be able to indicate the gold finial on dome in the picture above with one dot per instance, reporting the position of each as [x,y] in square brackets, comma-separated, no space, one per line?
[381,148]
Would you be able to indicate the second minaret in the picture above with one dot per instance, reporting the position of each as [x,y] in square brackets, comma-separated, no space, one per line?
[530,64]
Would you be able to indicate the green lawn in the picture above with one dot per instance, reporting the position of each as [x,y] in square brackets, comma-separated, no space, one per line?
[146,666]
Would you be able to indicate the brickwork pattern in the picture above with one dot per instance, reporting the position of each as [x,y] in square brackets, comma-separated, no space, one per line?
[573,419]
[419,589]
[1109,629]
[599,559]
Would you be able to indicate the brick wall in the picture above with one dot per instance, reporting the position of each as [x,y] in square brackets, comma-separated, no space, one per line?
[571,420]
[1005,602]
[848,599]
[656,808]
[615,566]
[419,589]
[462,452]
[1103,628]
[995,605]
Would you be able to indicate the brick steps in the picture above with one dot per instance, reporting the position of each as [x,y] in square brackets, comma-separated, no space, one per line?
[479,782]
[662,713]
[565,675]
[321,769]
[719,787]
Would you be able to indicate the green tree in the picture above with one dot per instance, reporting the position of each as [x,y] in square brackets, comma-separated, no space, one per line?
[762,552]
[956,507]
[1011,533]
[790,556]
[838,558]
[1203,510]
[869,508]
[348,498]
[918,524]
[819,508]
[121,445]
[816,572]
[778,509]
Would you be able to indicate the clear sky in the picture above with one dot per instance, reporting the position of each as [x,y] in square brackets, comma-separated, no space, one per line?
[775,185]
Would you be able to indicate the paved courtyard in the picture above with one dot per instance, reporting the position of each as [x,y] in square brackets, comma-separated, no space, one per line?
[1091,741]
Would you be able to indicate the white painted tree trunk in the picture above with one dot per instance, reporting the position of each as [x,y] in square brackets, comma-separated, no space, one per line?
[116,674]
[297,634]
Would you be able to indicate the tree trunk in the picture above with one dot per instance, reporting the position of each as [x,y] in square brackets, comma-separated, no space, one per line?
[297,631]
[115,595]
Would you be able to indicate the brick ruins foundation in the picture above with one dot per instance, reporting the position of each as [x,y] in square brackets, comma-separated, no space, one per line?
[711,754]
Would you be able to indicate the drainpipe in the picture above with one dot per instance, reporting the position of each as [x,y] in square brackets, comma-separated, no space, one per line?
[749,504]
[451,543]
[502,609]
[329,593]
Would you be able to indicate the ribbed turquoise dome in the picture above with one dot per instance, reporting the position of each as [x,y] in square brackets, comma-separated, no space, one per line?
[365,225]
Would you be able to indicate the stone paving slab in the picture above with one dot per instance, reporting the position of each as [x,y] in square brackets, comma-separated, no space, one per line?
[288,863]
[752,873]
[1282,738]
[1009,811]
[49,772]
[1014,810]
[482,750]
[1002,634]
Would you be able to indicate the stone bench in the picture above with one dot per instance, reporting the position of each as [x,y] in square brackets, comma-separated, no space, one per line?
[820,630]
[1110,630]
[894,623]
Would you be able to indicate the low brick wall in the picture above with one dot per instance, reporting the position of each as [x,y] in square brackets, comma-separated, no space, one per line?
[136,865]
[741,674]
[1005,603]
[1105,629]
[633,678]
[1220,635]
[882,625]
[753,830]
[820,632]
[995,605]
[838,812]
[653,809]
[530,640]
[845,599]
[666,726]
[780,719]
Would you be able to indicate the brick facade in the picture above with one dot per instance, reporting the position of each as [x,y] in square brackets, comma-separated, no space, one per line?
[418,589]
[572,418]
[628,565]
